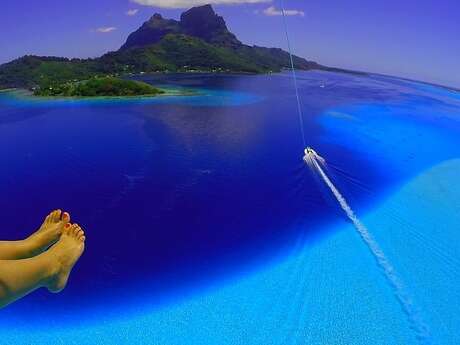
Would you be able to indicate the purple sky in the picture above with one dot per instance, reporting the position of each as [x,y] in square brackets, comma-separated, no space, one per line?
[408,38]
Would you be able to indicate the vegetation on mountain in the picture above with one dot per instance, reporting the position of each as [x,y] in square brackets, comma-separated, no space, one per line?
[32,71]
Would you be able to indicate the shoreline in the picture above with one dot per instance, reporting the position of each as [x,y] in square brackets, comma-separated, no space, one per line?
[180,92]
[8,90]
[27,94]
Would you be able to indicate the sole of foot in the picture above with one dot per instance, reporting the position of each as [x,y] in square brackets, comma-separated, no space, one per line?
[66,253]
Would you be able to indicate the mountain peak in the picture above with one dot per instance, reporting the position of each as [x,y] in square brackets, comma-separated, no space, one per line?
[201,22]
[200,11]
[204,23]
[152,31]
[156,16]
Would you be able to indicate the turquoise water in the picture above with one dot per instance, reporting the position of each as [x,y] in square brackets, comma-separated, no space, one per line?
[205,227]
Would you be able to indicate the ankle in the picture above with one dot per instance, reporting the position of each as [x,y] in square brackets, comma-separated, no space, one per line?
[53,267]
[32,246]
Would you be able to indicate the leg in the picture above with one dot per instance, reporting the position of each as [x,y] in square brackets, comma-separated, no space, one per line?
[35,244]
[50,269]
[20,277]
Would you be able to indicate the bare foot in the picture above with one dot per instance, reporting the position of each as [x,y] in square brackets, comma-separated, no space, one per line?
[66,252]
[49,232]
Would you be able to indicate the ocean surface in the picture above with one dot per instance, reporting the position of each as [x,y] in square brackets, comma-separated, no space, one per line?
[205,226]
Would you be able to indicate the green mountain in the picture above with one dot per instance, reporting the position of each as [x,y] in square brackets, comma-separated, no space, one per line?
[200,41]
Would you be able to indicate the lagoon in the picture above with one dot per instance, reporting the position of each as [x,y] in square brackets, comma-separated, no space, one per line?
[204,225]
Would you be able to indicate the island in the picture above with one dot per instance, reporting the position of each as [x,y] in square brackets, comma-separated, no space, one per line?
[199,42]
[99,87]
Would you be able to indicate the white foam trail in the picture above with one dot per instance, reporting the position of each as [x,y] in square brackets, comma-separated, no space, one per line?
[413,315]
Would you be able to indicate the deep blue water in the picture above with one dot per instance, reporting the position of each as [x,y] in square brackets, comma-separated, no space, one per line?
[181,195]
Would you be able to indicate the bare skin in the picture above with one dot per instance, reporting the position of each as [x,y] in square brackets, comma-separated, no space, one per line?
[46,235]
[49,269]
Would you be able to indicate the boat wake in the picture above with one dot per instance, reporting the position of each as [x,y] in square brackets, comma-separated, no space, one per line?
[316,163]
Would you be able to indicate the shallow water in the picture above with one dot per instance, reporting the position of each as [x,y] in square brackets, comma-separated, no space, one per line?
[205,227]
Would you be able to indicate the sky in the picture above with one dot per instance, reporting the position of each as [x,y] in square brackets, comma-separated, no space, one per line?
[413,39]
